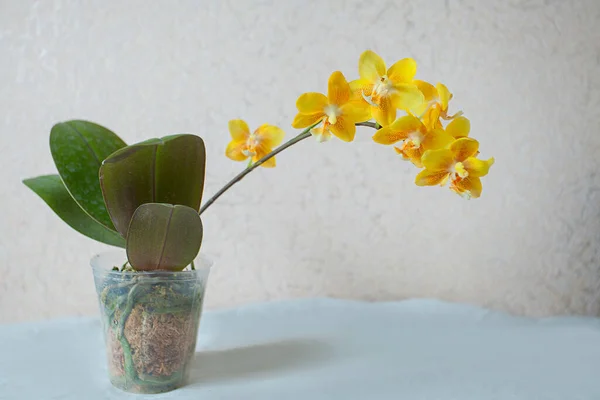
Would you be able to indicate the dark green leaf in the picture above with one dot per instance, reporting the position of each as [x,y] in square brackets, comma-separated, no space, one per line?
[78,149]
[163,237]
[168,170]
[51,189]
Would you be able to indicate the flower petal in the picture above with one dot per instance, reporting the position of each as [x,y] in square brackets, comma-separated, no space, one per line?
[403,71]
[238,129]
[407,96]
[429,96]
[469,187]
[359,87]
[321,134]
[476,167]
[459,127]
[385,113]
[357,110]
[306,120]
[464,148]
[436,139]
[407,123]
[370,66]
[270,136]
[387,135]
[444,95]
[431,118]
[431,178]
[262,151]
[398,130]
[311,103]
[344,128]
[235,150]
[411,153]
[338,89]
[438,160]
[429,91]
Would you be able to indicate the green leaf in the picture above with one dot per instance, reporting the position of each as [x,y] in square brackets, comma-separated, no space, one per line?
[51,189]
[163,237]
[78,148]
[168,170]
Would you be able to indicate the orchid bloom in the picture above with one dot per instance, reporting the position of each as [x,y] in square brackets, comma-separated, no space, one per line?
[386,90]
[255,145]
[457,163]
[426,133]
[415,136]
[435,104]
[336,110]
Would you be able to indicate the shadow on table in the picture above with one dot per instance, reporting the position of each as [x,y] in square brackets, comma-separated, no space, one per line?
[239,362]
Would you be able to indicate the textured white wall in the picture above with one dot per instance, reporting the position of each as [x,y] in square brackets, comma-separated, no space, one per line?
[332,219]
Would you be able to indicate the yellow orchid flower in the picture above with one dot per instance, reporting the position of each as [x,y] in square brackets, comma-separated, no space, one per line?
[336,110]
[386,90]
[459,127]
[435,104]
[457,163]
[415,136]
[256,145]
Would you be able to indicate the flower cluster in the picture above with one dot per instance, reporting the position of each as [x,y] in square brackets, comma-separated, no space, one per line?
[426,134]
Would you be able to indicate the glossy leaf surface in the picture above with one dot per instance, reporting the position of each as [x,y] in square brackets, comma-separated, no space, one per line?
[163,237]
[52,190]
[78,149]
[168,170]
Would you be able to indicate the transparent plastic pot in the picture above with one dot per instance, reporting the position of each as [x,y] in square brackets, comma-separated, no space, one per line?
[150,322]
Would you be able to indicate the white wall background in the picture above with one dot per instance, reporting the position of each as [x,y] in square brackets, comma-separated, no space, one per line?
[333,219]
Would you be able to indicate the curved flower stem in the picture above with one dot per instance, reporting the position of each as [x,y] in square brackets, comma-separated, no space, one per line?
[303,135]
[373,125]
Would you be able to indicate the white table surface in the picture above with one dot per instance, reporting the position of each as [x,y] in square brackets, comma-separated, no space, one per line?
[329,349]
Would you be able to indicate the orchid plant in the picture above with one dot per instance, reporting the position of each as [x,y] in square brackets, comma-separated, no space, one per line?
[146,197]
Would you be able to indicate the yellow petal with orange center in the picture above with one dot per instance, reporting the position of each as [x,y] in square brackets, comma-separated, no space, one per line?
[464,148]
[476,167]
[387,135]
[262,151]
[344,128]
[269,135]
[411,153]
[469,187]
[311,103]
[407,96]
[338,89]
[438,160]
[459,127]
[306,120]
[431,178]
[370,66]
[444,95]
[238,129]
[235,150]
[403,71]
[360,87]
[398,130]
[436,139]
[385,112]
[321,134]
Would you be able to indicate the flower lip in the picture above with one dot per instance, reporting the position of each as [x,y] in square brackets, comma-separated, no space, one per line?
[384,87]
[332,111]
[460,170]
[416,137]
